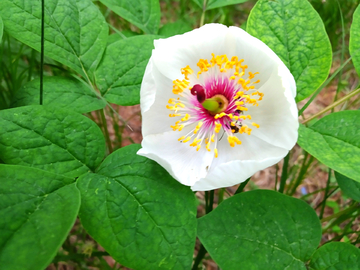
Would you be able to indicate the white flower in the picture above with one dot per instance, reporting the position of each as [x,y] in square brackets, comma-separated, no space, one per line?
[217,106]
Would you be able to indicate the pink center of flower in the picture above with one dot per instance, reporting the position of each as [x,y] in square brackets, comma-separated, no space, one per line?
[218,98]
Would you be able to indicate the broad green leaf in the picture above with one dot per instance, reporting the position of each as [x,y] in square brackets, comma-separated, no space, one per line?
[296,33]
[175,28]
[199,3]
[334,140]
[62,142]
[336,256]
[145,14]
[354,44]
[121,35]
[75,30]
[120,72]
[260,229]
[1,29]
[350,187]
[132,206]
[59,92]
[37,210]
[211,4]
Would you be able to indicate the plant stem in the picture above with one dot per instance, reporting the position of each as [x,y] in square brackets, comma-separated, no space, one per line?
[107,136]
[242,186]
[351,209]
[333,105]
[209,201]
[325,195]
[199,257]
[284,173]
[303,170]
[202,19]
[42,51]
[322,86]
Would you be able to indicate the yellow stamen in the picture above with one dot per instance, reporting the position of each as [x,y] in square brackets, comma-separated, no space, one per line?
[217,127]
[216,152]
[255,125]
[186,71]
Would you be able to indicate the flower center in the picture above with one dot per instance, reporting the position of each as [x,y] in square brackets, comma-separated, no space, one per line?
[218,98]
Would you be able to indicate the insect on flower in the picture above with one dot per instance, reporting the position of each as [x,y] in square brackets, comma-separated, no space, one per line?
[209,80]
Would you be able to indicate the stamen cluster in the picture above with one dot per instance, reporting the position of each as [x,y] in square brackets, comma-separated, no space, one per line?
[219,79]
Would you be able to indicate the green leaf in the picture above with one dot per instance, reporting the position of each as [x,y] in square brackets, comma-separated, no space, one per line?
[37,210]
[211,4]
[354,44]
[121,35]
[336,255]
[260,229]
[145,14]
[334,141]
[175,28]
[75,30]
[1,29]
[60,92]
[120,72]
[132,206]
[199,3]
[350,187]
[296,33]
[62,142]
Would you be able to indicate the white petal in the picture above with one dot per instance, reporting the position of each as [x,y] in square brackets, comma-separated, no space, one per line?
[148,88]
[259,57]
[235,164]
[234,172]
[155,92]
[174,53]
[276,113]
[182,161]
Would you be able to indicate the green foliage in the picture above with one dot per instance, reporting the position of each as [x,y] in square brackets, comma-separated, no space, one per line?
[75,35]
[60,92]
[175,28]
[37,210]
[350,187]
[354,45]
[145,14]
[211,4]
[295,32]
[1,29]
[120,72]
[336,255]
[334,141]
[262,228]
[62,142]
[132,206]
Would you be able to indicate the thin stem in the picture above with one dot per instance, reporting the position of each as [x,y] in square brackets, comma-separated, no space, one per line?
[342,49]
[221,195]
[322,86]
[202,19]
[209,201]
[242,186]
[333,105]
[199,257]
[284,173]
[107,136]
[325,195]
[42,51]
[351,209]
[304,167]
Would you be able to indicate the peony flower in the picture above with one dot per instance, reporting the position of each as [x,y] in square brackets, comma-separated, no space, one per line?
[217,106]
